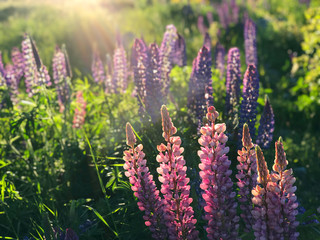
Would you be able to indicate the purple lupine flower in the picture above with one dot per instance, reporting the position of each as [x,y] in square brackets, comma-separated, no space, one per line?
[12,82]
[179,215]
[153,98]
[219,59]
[250,94]
[223,14]
[18,63]
[266,127]
[201,26]
[233,86]
[207,41]
[109,74]
[247,178]
[119,78]
[221,207]
[250,42]
[166,53]
[144,187]
[210,18]
[60,74]
[261,226]
[140,62]
[287,198]
[234,11]
[30,69]
[200,85]
[180,55]
[97,69]
[2,72]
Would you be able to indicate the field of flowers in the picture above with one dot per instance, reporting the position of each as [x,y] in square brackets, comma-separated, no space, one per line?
[145,119]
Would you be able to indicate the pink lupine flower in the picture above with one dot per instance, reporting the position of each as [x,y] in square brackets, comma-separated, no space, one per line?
[285,194]
[80,111]
[247,176]
[97,68]
[144,187]
[275,202]
[18,63]
[220,205]
[179,215]
[120,74]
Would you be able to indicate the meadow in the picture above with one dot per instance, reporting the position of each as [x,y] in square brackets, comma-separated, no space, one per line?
[144,119]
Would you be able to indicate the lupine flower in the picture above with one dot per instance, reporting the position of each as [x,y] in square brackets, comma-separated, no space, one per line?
[210,18]
[167,50]
[288,199]
[109,74]
[140,63]
[30,68]
[11,82]
[207,41]
[250,42]
[223,14]
[119,78]
[179,215]
[233,85]
[59,69]
[80,111]
[97,69]
[250,93]
[266,127]
[219,59]
[35,73]
[154,98]
[260,212]
[180,55]
[221,207]
[200,85]
[18,63]
[144,187]
[201,26]
[275,202]
[247,176]
[2,72]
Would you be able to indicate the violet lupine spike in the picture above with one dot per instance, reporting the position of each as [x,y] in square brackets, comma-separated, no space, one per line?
[12,83]
[154,98]
[200,85]
[66,59]
[179,215]
[219,59]
[60,74]
[233,80]
[235,11]
[180,55]
[201,26]
[223,14]
[18,63]
[250,42]
[248,107]
[144,187]
[119,78]
[140,62]
[30,66]
[207,41]
[247,178]
[2,72]
[287,197]
[221,206]
[80,111]
[210,18]
[109,73]
[166,56]
[266,127]
[97,69]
